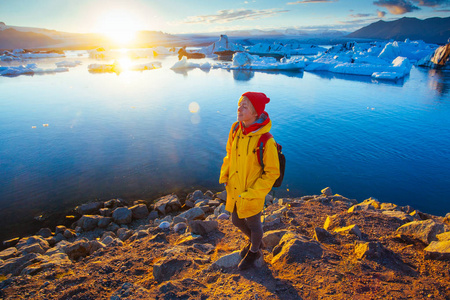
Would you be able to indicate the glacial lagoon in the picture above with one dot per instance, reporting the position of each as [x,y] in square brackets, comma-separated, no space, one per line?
[73,137]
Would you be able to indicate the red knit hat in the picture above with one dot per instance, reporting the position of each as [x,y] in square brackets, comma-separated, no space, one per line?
[258,100]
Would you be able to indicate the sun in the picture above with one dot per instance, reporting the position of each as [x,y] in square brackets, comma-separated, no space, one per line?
[119,26]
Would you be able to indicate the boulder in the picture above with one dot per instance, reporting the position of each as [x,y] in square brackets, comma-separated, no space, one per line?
[388,206]
[369,250]
[88,222]
[166,219]
[60,229]
[153,215]
[105,212]
[399,215]
[77,249]
[89,208]
[332,222]
[193,214]
[95,245]
[202,227]
[424,231]
[168,204]
[104,222]
[227,261]
[45,232]
[273,237]
[123,234]
[30,243]
[327,191]
[438,250]
[214,203]
[9,253]
[139,211]
[297,249]
[196,195]
[164,269]
[223,216]
[323,236]
[220,210]
[368,204]
[34,248]
[278,214]
[15,265]
[222,196]
[180,227]
[443,236]
[122,215]
[11,242]
[352,229]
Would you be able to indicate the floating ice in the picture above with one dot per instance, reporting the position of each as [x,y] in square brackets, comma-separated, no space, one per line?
[185,64]
[68,64]
[221,45]
[29,69]
[285,50]
[245,61]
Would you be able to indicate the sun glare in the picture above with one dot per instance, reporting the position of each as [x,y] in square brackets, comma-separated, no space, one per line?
[120,26]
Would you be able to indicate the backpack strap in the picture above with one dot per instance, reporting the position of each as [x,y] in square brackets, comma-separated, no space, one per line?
[235,129]
[261,146]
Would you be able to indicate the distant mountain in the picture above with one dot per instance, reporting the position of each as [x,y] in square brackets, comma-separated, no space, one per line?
[432,30]
[286,32]
[13,39]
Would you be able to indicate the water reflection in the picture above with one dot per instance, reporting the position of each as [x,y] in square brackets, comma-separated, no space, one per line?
[360,78]
[246,75]
[437,81]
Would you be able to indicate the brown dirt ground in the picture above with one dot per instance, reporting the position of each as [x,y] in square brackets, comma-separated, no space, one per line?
[127,272]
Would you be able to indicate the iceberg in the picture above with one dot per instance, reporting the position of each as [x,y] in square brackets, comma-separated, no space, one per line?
[221,45]
[68,64]
[288,50]
[185,64]
[29,69]
[246,61]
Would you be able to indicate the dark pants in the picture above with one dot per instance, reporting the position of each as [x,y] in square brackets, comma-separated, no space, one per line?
[251,227]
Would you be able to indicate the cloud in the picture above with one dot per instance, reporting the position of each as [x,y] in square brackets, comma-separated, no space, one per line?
[397,7]
[381,13]
[230,15]
[432,3]
[360,15]
[310,1]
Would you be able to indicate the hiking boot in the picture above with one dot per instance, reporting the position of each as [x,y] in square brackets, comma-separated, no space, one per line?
[249,260]
[247,247]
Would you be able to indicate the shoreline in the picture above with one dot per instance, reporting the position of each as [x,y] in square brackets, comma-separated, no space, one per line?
[316,246]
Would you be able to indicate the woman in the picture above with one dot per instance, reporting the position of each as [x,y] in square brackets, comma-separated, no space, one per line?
[246,182]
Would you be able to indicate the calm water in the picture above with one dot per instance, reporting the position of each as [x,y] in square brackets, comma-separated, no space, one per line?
[133,136]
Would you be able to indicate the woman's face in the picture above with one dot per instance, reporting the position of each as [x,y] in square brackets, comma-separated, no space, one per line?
[246,113]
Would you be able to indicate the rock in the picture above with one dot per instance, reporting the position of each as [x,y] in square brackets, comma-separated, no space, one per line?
[104,222]
[424,231]
[139,211]
[166,219]
[88,222]
[189,203]
[201,202]
[34,248]
[399,215]
[447,219]
[159,238]
[278,214]
[368,204]
[45,232]
[95,245]
[69,234]
[273,237]
[214,203]
[167,267]
[369,250]
[332,222]
[167,204]
[89,208]
[443,236]
[180,227]
[105,212]
[205,248]
[178,219]
[268,200]
[353,229]
[438,250]
[59,237]
[323,236]
[139,235]
[25,243]
[220,210]
[113,227]
[202,227]
[284,201]
[122,215]
[223,216]
[60,229]
[9,253]
[227,261]
[194,196]
[164,225]
[152,215]
[11,242]
[15,265]
[327,191]
[222,196]
[111,241]
[193,214]
[298,250]
[123,234]
[388,206]
[112,203]
[77,249]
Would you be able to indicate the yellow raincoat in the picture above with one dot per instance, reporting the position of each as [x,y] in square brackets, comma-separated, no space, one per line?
[246,184]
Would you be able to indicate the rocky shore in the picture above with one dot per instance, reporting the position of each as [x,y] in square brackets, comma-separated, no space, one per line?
[316,247]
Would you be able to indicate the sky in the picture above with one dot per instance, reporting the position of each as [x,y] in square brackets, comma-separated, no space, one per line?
[196,16]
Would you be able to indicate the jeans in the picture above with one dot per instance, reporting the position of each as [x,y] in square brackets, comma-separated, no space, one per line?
[251,227]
